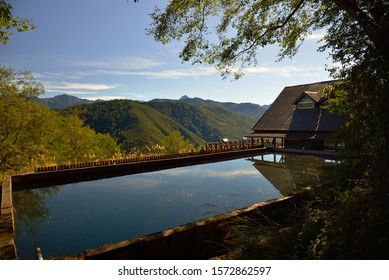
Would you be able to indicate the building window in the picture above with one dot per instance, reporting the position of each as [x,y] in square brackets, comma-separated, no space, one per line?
[305,103]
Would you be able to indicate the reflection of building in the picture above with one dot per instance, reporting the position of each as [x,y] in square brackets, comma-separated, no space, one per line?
[297,119]
[290,172]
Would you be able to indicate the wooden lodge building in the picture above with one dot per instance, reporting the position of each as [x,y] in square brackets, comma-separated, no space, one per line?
[297,119]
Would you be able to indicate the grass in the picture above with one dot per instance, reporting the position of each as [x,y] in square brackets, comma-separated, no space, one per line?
[333,224]
[261,237]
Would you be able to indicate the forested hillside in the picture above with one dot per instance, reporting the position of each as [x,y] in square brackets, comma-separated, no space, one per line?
[138,124]
[250,110]
[211,124]
[132,123]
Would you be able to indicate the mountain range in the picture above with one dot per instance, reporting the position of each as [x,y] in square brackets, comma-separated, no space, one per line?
[138,124]
[250,110]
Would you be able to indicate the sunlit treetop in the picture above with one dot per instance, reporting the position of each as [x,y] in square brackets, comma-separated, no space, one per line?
[230,33]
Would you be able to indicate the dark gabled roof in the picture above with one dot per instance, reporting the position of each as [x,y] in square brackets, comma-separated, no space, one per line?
[283,114]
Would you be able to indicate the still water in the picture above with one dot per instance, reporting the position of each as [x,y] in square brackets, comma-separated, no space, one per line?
[71,218]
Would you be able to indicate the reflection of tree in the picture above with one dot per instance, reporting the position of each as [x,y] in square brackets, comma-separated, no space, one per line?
[292,172]
[30,206]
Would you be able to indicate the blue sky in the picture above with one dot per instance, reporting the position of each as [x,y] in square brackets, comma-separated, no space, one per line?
[98,49]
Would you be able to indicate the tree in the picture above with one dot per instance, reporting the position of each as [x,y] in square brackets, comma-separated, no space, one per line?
[246,26]
[175,143]
[76,142]
[32,135]
[8,22]
[19,118]
[357,36]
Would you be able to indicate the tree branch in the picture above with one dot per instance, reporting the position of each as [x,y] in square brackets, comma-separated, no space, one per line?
[271,29]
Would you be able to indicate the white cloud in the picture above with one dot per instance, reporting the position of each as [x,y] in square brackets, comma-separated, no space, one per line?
[72,92]
[87,86]
[315,36]
[286,71]
[178,73]
[77,86]
[165,74]
[106,97]
[122,63]
[197,72]
[56,75]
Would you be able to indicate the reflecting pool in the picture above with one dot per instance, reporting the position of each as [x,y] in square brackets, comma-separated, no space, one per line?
[71,218]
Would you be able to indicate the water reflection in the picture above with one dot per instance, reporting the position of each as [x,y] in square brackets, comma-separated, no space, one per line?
[290,172]
[73,217]
[31,208]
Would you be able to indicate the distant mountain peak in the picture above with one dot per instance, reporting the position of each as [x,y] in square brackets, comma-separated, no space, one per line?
[63,101]
[184,97]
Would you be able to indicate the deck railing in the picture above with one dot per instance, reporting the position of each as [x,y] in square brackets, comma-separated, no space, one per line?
[209,148]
